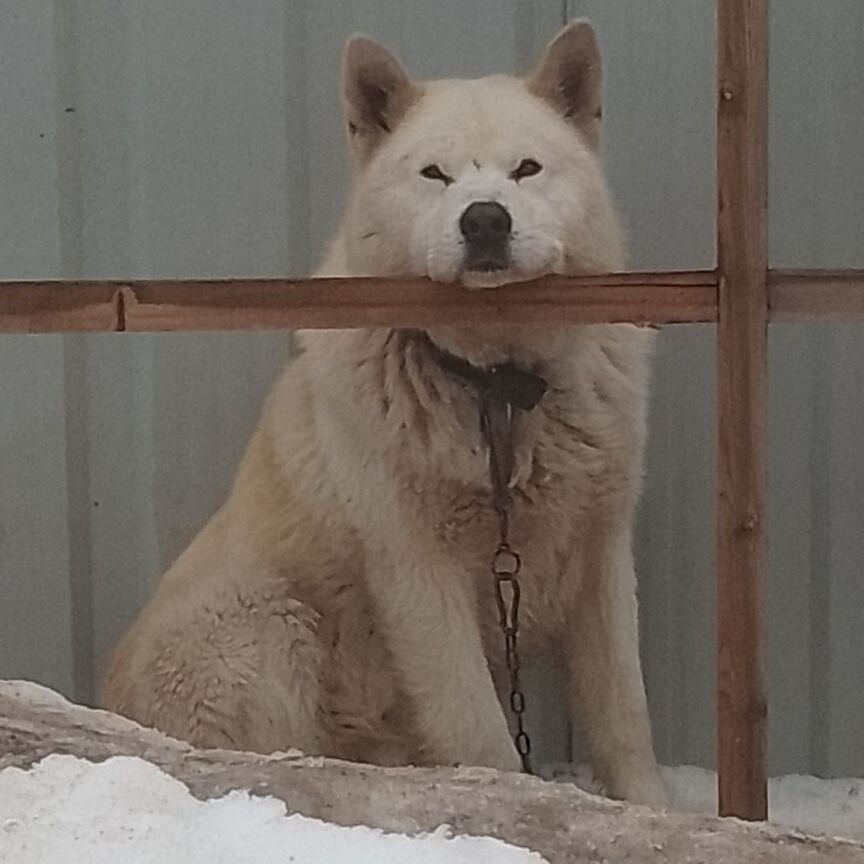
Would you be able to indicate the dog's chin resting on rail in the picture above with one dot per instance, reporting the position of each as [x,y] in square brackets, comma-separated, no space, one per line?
[341,600]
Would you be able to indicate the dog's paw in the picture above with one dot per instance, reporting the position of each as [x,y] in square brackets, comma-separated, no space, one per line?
[644,788]
[501,758]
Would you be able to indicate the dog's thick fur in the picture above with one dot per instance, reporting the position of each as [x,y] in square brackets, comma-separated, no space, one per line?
[340,602]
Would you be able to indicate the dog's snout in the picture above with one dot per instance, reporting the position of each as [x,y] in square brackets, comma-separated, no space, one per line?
[486,227]
[485,221]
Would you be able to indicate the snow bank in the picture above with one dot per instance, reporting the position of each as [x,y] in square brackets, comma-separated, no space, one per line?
[127,810]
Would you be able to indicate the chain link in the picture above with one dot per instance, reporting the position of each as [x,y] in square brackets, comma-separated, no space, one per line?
[496,425]
[506,567]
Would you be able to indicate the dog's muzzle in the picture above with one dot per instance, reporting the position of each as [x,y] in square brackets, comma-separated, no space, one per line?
[486,228]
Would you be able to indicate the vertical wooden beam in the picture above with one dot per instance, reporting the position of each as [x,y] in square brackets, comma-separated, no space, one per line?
[742,122]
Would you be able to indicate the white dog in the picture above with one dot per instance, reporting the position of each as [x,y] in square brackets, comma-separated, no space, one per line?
[341,601]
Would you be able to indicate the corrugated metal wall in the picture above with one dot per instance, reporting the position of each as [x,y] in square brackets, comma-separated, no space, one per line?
[155,137]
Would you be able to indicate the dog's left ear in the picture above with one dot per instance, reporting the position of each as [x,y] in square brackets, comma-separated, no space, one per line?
[570,77]
[376,91]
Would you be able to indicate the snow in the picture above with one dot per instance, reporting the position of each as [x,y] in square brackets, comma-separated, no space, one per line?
[125,809]
[810,804]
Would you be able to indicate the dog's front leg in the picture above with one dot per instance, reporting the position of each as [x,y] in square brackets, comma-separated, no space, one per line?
[430,616]
[605,677]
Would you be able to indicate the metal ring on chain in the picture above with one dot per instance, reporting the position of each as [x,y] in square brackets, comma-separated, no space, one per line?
[506,562]
[517,702]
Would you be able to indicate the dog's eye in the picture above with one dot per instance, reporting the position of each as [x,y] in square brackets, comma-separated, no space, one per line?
[526,168]
[433,172]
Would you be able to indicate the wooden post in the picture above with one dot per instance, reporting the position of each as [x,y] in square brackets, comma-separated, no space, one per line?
[741,360]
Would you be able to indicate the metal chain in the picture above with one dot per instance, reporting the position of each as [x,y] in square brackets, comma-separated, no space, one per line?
[496,423]
[506,566]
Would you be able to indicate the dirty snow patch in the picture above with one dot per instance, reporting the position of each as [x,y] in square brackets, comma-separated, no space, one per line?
[834,808]
[125,809]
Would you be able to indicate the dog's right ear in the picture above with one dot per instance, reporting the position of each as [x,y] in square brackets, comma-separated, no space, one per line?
[376,91]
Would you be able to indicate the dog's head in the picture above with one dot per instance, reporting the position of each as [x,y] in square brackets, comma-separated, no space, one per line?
[484,181]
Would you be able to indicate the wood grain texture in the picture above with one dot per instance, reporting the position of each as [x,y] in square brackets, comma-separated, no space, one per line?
[272,304]
[742,131]
[59,307]
[816,295]
[261,304]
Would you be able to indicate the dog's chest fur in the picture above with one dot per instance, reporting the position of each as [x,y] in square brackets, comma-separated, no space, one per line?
[409,432]
[395,433]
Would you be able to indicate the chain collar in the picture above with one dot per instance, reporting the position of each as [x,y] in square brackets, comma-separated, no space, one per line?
[505,382]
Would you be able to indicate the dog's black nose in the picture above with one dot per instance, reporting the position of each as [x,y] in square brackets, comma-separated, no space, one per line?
[486,227]
[485,221]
